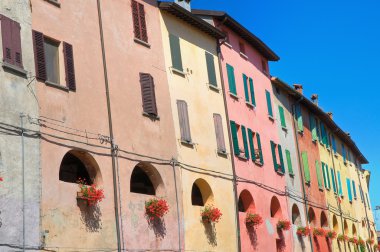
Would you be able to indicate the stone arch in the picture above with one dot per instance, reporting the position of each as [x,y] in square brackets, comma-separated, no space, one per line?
[296,216]
[201,193]
[145,179]
[246,202]
[311,217]
[324,222]
[79,164]
[335,224]
[275,208]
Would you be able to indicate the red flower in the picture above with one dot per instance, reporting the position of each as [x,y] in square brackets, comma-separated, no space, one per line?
[283,224]
[353,240]
[1,179]
[156,208]
[319,232]
[342,237]
[331,234]
[252,220]
[303,231]
[91,193]
[211,214]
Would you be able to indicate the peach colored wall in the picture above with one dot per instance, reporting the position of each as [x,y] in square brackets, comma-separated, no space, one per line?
[256,119]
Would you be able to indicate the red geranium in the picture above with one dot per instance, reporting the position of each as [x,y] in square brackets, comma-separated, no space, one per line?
[319,232]
[353,240]
[210,214]
[331,234]
[91,193]
[370,241]
[253,220]
[376,247]
[156,208]
[342,237]
[303,231]
[283,224]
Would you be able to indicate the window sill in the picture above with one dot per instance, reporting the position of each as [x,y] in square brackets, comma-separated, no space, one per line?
[250,105]
[213,87]
[151,116]
[280,173]
[336,155]
[141,42]
[56,85]
[53,2]
[345,163]
[314,141]
[234,96]
[242,157]
[258,163]
[15,69]
[222,153]
[291,175]
[228,44]
[187,143]
[300,132]
[179,72]
[243,56]
[284,128]
[271,118]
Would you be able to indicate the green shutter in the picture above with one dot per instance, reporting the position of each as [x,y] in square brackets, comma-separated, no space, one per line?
[282,116]
[344,154]
[319,175]
[235,138]
[333,143]
[231,79]
[279,149]
[289,162]
[299,117]
[246,91]
[273,148]
[313,127]
[333,180]
[252,89]
[259,147]
[369,206]
[175,50]
[324,175]
[244,135]
[318,130]
[251,145]
[354,189]
[269,103]
[306,169]
[340,190]
[324,134]
[348,181]
[211,69]
[328,176]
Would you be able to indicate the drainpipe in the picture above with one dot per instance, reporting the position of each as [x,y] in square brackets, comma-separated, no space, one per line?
[238,245]
[301,170]
[173,163]
[336,183]
[23,178]
[113,149]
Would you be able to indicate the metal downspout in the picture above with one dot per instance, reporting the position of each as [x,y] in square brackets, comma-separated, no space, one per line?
[116,205]
[23,178]
[218,49]
[173,163]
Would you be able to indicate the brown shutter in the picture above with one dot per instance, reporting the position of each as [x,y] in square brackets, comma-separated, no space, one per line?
[144,35]
[219,133]
[136,19]
[39,55]
[148,94]
[16,44]
[184,121]
[69,66]
[6,32]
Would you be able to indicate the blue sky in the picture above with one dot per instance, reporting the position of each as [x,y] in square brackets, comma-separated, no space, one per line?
[332,48]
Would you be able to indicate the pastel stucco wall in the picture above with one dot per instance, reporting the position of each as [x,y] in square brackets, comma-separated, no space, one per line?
[217,169]
[17,97]
[251,175]
[293,182]
[136,133]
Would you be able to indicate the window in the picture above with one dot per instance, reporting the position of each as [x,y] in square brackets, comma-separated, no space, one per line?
[278,161]
[11,38]
[333,180]
[275,208]
[289,162]
[221,146]
[139,23]
[239,138]
[340,189]
[244,149]
[201,193]
[211,69]
[52,60]
[254,140]
[148,94]
[348,182]
[296,216]
[141,183]
[299,118]
[269,104]
[319,175]
[184,124]
[305,163]
[196,196]
[324,135]
[282,116]
[326,176]
[245,201]
[175,50]
[227,39]
[231,79]
[249,90]
[344,154]
[333,143]
[313,127]
[354,189]
[72,169]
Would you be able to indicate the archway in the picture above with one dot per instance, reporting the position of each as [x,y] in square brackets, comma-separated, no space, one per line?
[324,222]
[354,232]
[311,216]
[345,225]
[246,201]
[275,208]
[335,224]
[145,179]
[296,216]
[201,193]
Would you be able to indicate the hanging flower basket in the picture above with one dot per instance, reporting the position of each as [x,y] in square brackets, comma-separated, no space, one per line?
[353,240]
[253,220]
[91,194]
[303,231]
[283,225]
[376,247]
[342,237]
[370,241]
[156,208]
[319,232]
[331,234]
[210,214]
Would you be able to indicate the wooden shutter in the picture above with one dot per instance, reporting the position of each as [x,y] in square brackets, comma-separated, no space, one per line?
[136,19]
[324,175]
[148,94]
[340,190]
[361,193]
[273,148]
[245,142]
[260,149]
[344,153]
[289,162]
[219,133]
[39,55]
[279,149]
[144,34]
[348,182]
[333,143]
[313,127]
[269,103]
[251,144]
[184,121]
[306,168]
[235,138]
[16,41]
[252,90]
[69,66]
[319,175]
[299,118]
[319,133]
[6,33]
[282,116]
[354,189]
[333,180]
[231,79]
[246,91]
[211,69]
[328,176]
[175,49]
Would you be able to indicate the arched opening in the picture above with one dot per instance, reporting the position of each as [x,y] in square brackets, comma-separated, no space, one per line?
[345,225]
[201,193]
[79,165]
[372,235]
[245,202]
[335,224]
[324,222]
[296,216]
[275,208]
[145,179]
[311,216]
[354,233]
[363,224]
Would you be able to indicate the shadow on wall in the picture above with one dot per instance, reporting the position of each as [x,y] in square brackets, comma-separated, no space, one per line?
[90,216]
[302,242]
[252,236]
[210,232]
[158,227]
